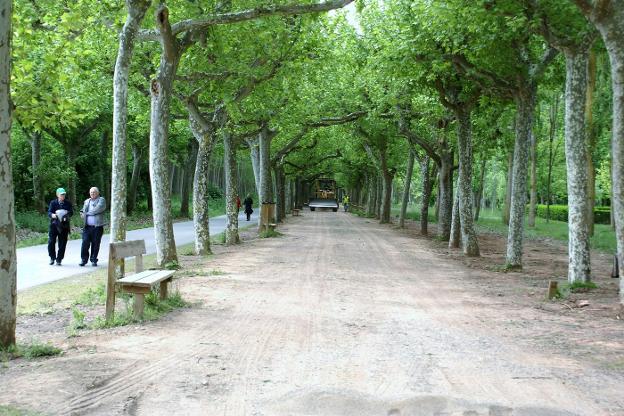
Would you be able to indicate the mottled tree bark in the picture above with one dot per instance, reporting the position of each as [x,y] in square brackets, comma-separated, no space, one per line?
[525,104]
[161,91]
[479,194]
[591,140]
[280,192]
[507,206]
[8,259]
[445,169]
[137,160]
[35,147]
[533,182]
[470,245]
[187,178]
[455,235]
[206,140]
[553,115]
[427,186]
[371,203]
[127,36]
[579,268]
[406,187]
[608,16]
[231,189]
[254,154]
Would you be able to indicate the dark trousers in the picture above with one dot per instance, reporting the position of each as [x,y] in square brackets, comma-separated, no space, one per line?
[91,237]
[53,234]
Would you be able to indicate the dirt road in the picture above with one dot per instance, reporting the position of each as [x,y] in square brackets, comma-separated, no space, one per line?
[340,316]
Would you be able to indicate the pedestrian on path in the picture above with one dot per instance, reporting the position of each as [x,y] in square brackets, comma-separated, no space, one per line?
[238,204]
[345,202]
[92,213]
[248,202]
[60,211]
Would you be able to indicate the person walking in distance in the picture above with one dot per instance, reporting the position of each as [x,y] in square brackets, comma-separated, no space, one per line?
[345,202]
[248,202]
[238,204]
[60,211]
[92,213]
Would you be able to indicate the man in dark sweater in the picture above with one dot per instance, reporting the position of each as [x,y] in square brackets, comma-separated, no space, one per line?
[60,211]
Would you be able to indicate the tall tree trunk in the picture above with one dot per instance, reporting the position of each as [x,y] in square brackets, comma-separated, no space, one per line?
[579,268]
[525,103]
[533,187]
[591,140]
[386,200]
[554,113]
[507,206]
[464,140]
[206,141]
[613,34]
[280,192]
[254,154]
[427,186]
[187,178]
[38,197]
[379,196]
[231,181]
[479,195]
[455,235]
[8,259]
[406,187]
[137,160]
[161,90]
[127,37]
[372,192]
[266,181]
[445,185]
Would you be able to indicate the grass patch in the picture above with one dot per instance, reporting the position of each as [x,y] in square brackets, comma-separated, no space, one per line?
[14,411]
[580,287]
[603,239]
[92,296]
[217,272]
[565,289]
[29,351]
[154,309]
[270,234]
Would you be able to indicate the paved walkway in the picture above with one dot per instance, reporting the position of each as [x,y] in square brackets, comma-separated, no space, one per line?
[32,262]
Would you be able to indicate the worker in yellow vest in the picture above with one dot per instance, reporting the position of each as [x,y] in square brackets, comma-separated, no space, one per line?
[345,202]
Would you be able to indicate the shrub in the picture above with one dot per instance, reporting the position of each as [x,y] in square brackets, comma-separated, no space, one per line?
[602,215]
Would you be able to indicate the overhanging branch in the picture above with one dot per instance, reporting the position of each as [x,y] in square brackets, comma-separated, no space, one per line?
[229,18]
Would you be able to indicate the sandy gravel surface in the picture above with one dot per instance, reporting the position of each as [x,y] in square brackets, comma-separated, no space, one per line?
[340,316]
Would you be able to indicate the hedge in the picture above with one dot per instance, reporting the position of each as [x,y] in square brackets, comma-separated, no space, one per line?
[602,215]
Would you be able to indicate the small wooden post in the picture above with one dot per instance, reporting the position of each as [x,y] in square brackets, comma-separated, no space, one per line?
[110,284]
[615,273]
[552,289]
[139,302]
[163,289]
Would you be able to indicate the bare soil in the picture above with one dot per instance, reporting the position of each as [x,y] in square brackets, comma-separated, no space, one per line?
[344,316]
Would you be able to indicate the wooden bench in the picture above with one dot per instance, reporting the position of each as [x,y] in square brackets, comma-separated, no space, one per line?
[295,212]
[139,283]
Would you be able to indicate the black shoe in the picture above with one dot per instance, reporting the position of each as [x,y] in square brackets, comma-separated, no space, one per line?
[94,263]
[82,263]
[51,262]
[58,262]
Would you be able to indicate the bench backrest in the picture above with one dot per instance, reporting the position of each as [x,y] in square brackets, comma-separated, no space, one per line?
[123,249]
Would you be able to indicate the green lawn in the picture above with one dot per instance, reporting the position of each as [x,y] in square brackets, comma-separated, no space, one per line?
[490,221]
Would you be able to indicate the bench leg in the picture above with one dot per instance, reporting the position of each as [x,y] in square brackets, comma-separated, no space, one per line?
[139,302]
[163,289]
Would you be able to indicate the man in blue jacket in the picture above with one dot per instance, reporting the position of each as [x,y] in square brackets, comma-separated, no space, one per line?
[92,213]
[60,211]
